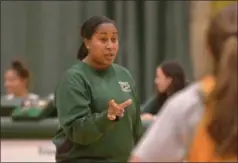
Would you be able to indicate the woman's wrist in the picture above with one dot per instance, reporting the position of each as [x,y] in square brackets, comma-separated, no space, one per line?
[111,117]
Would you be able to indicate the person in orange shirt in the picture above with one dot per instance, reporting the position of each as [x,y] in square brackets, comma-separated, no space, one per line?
[199,124]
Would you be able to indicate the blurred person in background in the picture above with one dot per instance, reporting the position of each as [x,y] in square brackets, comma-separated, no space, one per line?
[170,78]
[199,124]
[96,100]
[17,82]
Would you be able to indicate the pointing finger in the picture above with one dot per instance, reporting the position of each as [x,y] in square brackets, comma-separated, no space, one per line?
[126,103]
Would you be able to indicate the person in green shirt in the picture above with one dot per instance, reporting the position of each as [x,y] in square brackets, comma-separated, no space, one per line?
[96,100]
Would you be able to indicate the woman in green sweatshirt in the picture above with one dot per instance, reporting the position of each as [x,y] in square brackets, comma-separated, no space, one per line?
[96,100]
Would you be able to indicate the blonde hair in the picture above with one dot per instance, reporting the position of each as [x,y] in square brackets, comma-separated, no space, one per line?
[222,40]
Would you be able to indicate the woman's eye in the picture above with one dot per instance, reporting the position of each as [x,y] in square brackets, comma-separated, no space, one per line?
[114,39]
[103,39]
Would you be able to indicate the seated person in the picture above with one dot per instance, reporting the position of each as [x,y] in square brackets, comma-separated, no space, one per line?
[51,96]
[170,78]
[17,81]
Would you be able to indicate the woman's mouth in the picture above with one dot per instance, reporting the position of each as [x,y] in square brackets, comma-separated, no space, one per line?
[109,56]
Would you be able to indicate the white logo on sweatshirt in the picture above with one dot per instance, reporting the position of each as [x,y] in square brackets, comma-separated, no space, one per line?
[125,86]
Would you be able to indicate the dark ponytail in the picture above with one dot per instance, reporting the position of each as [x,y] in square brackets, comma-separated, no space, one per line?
[82,52]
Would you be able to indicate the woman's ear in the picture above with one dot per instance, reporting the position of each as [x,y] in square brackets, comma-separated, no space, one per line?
[86,43]
[169,80]
[26,83]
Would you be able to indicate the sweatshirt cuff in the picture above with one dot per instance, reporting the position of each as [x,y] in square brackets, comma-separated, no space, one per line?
[103,123]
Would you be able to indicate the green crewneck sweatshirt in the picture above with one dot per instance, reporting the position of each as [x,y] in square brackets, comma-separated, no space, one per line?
[85,132]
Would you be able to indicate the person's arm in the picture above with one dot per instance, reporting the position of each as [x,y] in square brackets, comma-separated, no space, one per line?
[138,128]
[168,138]
[138,124]
[149,105]
[75,116]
